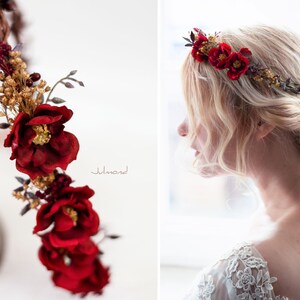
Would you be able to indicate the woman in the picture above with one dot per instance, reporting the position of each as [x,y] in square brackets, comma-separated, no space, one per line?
[243,103]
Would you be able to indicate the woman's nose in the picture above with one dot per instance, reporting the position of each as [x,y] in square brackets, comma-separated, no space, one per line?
[183,128]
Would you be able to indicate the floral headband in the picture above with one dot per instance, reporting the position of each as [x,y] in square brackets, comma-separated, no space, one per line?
[220,56]
[66,221]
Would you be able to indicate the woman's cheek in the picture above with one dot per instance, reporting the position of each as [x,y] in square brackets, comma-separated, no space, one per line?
[201,136]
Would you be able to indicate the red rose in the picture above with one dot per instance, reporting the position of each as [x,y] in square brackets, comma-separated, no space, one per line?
[196,51]
[238,64]
[77,269]
[93,283]
[72,215]
[40,144]
[76,261]
[218,57]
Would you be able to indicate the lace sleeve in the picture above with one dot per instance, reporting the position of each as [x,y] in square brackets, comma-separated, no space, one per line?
[242,274]
[209,284]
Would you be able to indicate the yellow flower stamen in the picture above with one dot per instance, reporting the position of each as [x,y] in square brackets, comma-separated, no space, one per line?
[43,135]
[237,64]
[212,39]
[222,56]
[72,213]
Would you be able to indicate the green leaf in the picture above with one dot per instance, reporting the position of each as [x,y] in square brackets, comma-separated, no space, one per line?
[188,40]
[30,195]
[113,236]
[72,72]
[192,36]
[19,189]
[57,100]
[20,179]
[25,209]
[69,85]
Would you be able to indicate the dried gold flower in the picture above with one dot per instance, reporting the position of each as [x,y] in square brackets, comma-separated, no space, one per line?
[19,196]
[236,64]
[72,213]
[35,203]
[42,182]
[43,135]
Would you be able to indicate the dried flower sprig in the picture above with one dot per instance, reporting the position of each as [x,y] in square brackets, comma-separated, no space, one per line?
[66,82]
[220,56]
[30,189]
[23,92]
[20,91]
[25,193]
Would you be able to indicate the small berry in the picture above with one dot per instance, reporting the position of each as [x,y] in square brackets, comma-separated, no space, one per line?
[35,76]
[29,82]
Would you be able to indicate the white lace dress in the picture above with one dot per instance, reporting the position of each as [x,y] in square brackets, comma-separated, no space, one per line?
[242,274]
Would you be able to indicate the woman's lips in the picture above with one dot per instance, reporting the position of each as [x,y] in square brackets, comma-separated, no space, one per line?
[196,153]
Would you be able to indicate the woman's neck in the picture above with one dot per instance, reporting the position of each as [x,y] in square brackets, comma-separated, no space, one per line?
[277,176]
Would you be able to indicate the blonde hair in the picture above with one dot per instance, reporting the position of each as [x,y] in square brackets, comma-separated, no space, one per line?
[227,106]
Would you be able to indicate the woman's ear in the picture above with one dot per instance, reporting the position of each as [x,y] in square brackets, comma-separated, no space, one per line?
[263,129]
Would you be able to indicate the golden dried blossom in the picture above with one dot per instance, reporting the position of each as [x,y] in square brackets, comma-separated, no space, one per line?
[35,203]
[209,44]
[43,135]
[237,64]
[41,182]
[19,196]
[19,96]
[72,213]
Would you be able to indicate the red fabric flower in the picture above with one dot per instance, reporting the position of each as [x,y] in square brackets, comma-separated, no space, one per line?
[73,217]
[77,269]
[95,282]
[196,51]
[238,63]
[40,144]
[69,260]
[218,57]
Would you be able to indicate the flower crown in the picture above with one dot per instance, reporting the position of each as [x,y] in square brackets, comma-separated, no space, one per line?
[66,220]
[221,57]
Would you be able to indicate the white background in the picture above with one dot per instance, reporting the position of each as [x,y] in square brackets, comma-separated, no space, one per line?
[112,44]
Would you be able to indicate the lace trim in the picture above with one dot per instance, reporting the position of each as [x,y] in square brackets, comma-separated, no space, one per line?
[247,274]
[206,288]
